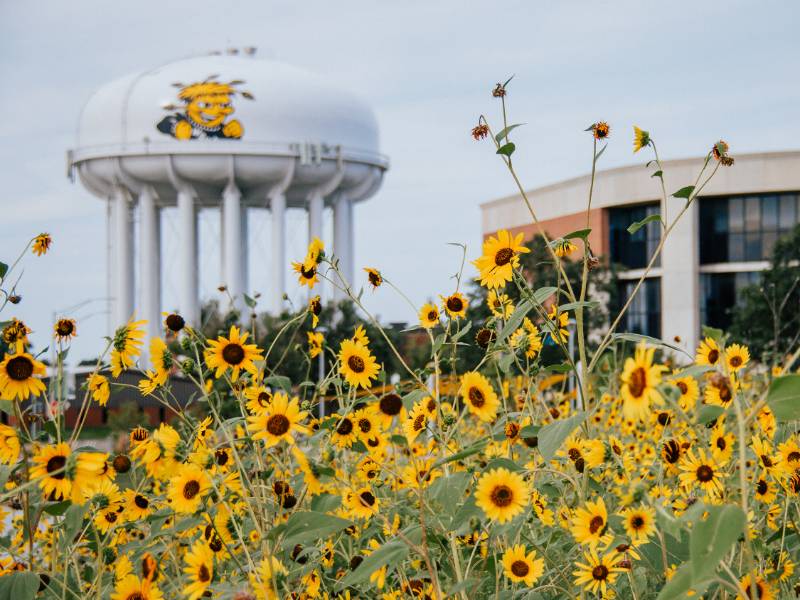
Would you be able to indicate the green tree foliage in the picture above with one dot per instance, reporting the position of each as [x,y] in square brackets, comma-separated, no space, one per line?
[767,316]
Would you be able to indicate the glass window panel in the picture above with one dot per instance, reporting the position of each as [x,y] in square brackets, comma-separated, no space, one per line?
[632,250]
[644,313]
[752,214]
[769,213]
[752,246]
[787,211]
[768,240]
[735,216]
[735,247]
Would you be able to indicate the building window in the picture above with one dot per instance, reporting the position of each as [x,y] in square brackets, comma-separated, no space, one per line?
[633,250]
[644,314]
[745,228]
[718,295]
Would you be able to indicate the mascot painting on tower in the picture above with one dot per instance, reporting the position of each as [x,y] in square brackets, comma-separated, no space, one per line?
[205,112]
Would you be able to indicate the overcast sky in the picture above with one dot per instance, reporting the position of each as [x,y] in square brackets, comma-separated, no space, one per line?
[690,72]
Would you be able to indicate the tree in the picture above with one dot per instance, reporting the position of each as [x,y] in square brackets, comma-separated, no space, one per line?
[767,317]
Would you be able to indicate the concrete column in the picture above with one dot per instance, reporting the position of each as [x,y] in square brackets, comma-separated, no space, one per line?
[123,257]
[244,239]
[316,204]
[111,272]
[680,280]
[343,241]
[232,271]
[149,265]
[189,301]
[277,203]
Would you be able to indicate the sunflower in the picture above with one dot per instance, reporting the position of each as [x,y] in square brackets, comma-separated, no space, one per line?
[315,252]
[19,375]
[562,247]
[15,331]
[150,383]
[416,422]
[708,352]
[640,378]
[279,421]
[388,407]
[199,568]
[639,523]
[99,388]
[520,567]
[187,488]
[9,445]
[42,243]
[126,346]
[429,316]
[641,138]
[50,466]
[772,463]
[232,353]
[315,309]
[258,399]
[500,258]
[455,305]
[344,432]
[764,590]
[597,573]
[315,341]
[720,390]
[590,523]
[721,443]
[137,506]
[701,471]
[374,277]
[737,356]
[601,130]
[558,322]
[356,364]
[501,305]
[529,337]
[689,389]
[161,358]
[261,578]
[501,494]
[790,453]
[478,395]
[174,322]
[131,587]
[362,503]
[764,490]
[306,275]
[65,329]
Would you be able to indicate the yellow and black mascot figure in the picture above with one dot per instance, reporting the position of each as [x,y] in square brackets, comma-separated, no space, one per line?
[205,112]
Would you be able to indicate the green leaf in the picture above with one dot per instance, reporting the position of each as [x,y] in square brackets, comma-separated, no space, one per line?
[638,337]
[251,302]
[708,412]
[693,371]
[461,454]
[21,585]
[73,520]
[308,526]
[553,435]
[414,396]
[580,233]
[634,227]
[681,583]
[658,174]
[599,154]
[578,304]
[392,552]
[507,149]
[3,269]
[712,332]
[523,308]
[462,332]
[783,398]
[280,381]
[437,344]
[57,508]
[684,192]
[504,132]
[713,538]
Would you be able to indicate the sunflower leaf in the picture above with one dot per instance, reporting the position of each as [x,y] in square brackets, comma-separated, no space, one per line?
[22,585]
[684,192]
[3,270]
[784,398]
[505,131]
[634,227]
[507,149]
[553,435]
[638,337]
[680,583]
[391,552]
[712,539]
[309,526]
[580,233]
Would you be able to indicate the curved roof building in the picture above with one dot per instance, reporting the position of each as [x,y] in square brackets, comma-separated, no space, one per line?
[720,245]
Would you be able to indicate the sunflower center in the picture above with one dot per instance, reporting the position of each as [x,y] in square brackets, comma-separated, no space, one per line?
[721,443]
[596,524]
[600,573]
[65,328]
[367,498]
[672,452]
[391,404]
[345,427]
[682,387]
[55,464]
[759,590]
[374,278]
[574,454]
[704,473]
[136,596]
[432,315]
[356,364]
[638,382]
[175,322]
[19,368]
[419,423]
[736,361]
[140,501]
[364,425]
[766,461]
[725,393]
[233,354]
[762,487]
[264,398]
[221,457]
[793,456]
[476,397]
[713,356]
[308,273]
[454,304]
[203,574]
[191,489]
[502,496]
[503,256]
[637,522]
[278,424]
[520,568]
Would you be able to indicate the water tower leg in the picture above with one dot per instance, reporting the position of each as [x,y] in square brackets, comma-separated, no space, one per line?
[277,204]
[149,265]
[232,242]
[343,242]
[123,257]
[189,288]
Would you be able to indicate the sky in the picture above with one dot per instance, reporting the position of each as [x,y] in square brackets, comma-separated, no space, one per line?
[689,72]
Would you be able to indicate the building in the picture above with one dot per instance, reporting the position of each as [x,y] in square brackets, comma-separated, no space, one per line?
[720,245]
[229,133]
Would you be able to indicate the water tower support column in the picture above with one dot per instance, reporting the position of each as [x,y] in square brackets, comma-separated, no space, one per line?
[232,245]
[123,255]
[189,288]
[343,241]
[150,262]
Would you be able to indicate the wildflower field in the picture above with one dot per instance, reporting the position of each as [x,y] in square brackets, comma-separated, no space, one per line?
[627,468]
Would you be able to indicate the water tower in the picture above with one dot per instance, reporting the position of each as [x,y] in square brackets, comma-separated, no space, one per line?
[227,133]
